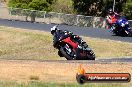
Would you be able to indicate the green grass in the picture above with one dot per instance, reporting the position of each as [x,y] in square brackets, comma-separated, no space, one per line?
[33,44]
[41,84]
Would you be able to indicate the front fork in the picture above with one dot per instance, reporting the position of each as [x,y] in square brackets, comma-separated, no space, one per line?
[127,29]
[69,51]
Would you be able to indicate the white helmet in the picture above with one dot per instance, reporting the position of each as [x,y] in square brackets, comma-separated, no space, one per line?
[53,29]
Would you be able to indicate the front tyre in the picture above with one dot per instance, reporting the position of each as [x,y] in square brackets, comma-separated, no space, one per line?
[66,54]
[130,33]
[60,54]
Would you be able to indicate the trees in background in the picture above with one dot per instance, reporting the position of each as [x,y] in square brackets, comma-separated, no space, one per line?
[97,7]
[63,6]
[127,9]
[88,7]
[44,5]
[84,7]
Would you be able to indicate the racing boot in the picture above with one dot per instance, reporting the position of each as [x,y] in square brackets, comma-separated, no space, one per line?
[84,44]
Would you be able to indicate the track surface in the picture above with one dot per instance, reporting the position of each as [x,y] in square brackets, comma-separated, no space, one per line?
[83,31]
[97,61]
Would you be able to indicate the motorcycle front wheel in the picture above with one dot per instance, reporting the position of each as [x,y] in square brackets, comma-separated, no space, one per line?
[130,33]
[68,55]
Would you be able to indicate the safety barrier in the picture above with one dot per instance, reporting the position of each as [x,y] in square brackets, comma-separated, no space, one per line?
[52,17]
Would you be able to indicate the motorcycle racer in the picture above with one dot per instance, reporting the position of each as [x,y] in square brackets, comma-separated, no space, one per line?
[111,18]
[66,33]
[71,46]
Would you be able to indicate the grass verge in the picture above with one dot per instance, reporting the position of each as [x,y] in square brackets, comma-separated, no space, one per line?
[33,44]
[41,84]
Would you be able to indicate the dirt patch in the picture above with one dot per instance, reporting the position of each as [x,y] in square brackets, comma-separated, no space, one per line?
[54,71]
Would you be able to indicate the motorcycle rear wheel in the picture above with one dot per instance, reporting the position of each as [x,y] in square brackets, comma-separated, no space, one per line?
[90,55]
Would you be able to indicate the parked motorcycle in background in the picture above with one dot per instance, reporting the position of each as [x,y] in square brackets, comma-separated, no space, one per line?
[70,46]
[121,27]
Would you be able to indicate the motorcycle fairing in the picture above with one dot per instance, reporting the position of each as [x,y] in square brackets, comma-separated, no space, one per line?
[70,42]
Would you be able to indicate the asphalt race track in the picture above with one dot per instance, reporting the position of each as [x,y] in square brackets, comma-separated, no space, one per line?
[83,31]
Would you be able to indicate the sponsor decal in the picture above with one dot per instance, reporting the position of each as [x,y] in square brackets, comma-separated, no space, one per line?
[83,77]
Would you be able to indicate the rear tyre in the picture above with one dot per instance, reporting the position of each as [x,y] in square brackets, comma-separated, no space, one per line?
[90,55]
[116,33]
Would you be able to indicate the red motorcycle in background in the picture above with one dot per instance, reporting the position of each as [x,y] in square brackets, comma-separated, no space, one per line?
[70,46]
